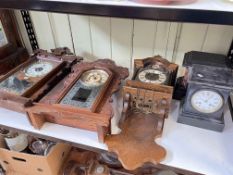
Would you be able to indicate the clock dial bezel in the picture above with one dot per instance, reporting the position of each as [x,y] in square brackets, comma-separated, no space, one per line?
[94,72]
[206,111]
[33,65]
[188,108]
[151,70]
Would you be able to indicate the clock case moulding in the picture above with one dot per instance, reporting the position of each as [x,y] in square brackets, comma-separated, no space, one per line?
[145,107]
[63,60]
[95,118]
[12,53]
[206,71]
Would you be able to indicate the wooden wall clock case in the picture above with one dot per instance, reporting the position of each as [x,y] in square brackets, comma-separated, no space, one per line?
[11,51]
[145,106]
[31,80]
[77,101]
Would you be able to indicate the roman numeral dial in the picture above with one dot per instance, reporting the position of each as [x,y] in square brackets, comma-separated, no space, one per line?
[152,76]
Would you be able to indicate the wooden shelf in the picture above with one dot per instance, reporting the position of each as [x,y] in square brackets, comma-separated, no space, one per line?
[189,148]
[202,11]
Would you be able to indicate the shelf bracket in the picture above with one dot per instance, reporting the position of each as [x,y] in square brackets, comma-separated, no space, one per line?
[30,30]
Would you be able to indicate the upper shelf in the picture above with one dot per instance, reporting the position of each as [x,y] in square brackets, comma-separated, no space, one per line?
[201,11]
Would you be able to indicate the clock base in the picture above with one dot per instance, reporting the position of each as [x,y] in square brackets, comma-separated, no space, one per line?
[201,122]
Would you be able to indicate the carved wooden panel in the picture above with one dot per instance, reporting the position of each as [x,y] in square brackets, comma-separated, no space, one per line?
[135,144]
[149,98]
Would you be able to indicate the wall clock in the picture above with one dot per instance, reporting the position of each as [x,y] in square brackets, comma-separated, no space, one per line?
[155,70]
[81,99]
[11,52]
[209,84]
[21,85]
[9,38]
[142,120]
[146,104]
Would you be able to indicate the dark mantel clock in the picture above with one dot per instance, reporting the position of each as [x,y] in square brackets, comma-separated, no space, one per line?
[210,82]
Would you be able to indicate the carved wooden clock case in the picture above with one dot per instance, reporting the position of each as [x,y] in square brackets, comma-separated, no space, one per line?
[82,99]
[146,105]
[209,85]
[31,80]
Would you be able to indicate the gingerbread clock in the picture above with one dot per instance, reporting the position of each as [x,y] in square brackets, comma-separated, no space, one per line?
[82,99]
[28,82]
[146,104]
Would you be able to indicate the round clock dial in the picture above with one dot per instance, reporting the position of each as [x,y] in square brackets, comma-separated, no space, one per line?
[206,101]
[95,77]
[38,69]
[152,76]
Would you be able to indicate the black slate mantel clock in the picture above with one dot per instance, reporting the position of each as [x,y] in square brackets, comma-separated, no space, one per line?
[210,81]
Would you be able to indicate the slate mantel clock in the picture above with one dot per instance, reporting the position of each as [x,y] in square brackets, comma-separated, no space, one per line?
[31,80]
[210,81]
[82,99]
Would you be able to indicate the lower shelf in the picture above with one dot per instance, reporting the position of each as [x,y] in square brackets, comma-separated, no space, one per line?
[188,148]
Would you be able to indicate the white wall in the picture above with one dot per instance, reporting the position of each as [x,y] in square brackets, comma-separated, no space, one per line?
[125,39]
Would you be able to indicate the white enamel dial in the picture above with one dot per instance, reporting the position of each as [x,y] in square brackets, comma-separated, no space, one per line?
[152,76]
[94,77]
[38,69]
[206,101]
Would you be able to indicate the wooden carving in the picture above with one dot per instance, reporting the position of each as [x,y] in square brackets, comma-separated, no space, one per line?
[149,98]
[146,104]
[82,99]
[27,82]
[140,126]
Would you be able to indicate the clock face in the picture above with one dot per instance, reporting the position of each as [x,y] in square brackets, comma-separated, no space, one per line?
[152,76]
[95,77]
[206,101]
[22,80]
[86,90]
[38,69]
